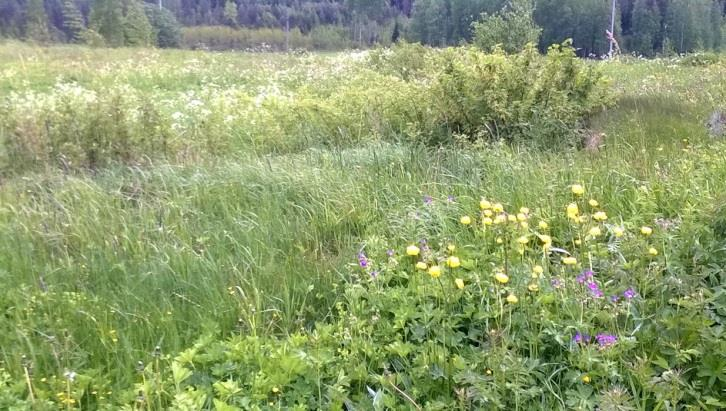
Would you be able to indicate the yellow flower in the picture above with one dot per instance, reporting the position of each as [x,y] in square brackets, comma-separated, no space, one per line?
[578,242]
[275,390]
[572,210]
[524,210]
[487,221]
[593,203]
[453,261]
[500,240]
[538,270]
[523,240]
[488,371]
[466,220]
[543,225]
[451,248]
[501,278]
[459,283]
[569,261]
[533,287]
[421,266]
[412,250]
[646,231]
[524,225]
[484,204]
[618,231]
[435,271]
[595,232]
[512,299]
[498,208]
[521,217]
[600,216]
[512,218]
[499,219]
[586,379]
[652,251]
[488,213]
[577,189]
[546,240]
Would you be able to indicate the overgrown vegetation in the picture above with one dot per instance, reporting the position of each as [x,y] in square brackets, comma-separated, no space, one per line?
[188,230]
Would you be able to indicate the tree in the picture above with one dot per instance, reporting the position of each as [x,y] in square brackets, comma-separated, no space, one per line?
[164,25]
[107,20]
[230,13]
[36,21]
[513,27]
[73,25]
[136,27]
[646,23]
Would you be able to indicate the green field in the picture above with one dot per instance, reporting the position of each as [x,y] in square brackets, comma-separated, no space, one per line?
[191,230]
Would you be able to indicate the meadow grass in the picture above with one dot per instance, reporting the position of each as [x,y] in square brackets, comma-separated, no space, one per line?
[101,268]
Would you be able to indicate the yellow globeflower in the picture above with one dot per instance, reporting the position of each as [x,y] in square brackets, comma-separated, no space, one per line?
[524,225]
[523,240]
[498,208]
[435,271]
[459,283]
[572,210]
[593,203]
[546,240]
[646,231]
[451,248]
[421,266]
[537,271]
[500,240]
[453,261]
[501,278]
[577,189]
[578,242]
[512,299]
[600,216]
[466,220]
[586,379]
[618,231]
[543,225]
[533,287]
[512,218]
[487,221]
[488,213]
[652,251]
[499,219]
[569,261]
[595,232]
[484,204]
[524,210]
[412,250]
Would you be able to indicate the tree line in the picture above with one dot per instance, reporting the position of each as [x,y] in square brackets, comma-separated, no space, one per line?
[644,27]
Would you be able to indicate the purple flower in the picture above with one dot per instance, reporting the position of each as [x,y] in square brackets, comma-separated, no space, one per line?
[606,340]
[428,199]
[362,260]
[581,338]
[629,294]
[374,274]
[614,299]
[451,199]
[390,252]
[556,282]
[595,289]
[584,276]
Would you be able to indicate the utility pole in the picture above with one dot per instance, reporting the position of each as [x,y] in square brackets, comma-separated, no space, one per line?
[612,31]
[160,5]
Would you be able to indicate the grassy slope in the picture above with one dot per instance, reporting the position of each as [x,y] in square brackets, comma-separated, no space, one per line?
[155,256]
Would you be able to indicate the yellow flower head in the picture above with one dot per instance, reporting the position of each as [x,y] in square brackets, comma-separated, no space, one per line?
[512,299]
[646,231]
[459,283]
[521,217]
[545,239]
[537,269]
[578,242]
[512,218]
[524,210]
[572,210]
[275,390]
[498,208]
[435,271]
[451,248]
[500,240]
[577,189]
[487,221]
[595,232]
[618,232]
[453,261]
[466,220]
[543,225]
[569,261]
[524,225]
[501,278]
[586,379]
[533,287]
[421,266]
[600,216]
[412,250]
[500,218]
[488,213]
[484,204]
[652,251]
[523,240]
[593,203]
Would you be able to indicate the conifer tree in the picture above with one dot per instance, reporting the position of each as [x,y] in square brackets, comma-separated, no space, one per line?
[73,24]
[136,27]
[36,21]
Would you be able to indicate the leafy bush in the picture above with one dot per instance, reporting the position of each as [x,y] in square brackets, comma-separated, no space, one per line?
[227,38]
[511,29]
